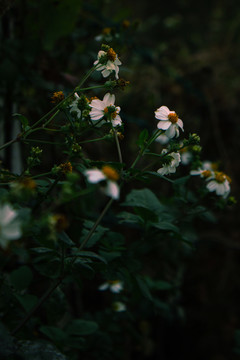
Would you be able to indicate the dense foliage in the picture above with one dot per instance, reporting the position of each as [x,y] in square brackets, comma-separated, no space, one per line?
[118,231]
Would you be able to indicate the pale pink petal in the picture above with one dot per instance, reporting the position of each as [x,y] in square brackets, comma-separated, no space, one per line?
[163,125]
[109,99]
[162,113]
[117,121]
[180,124]
[94,175]
[171,131]
[96,114]
[112,189]
[97,104]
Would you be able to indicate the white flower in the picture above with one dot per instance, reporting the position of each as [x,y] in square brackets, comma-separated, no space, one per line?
[9,225]
[204,173]
[119,306]
[74,107]
[108,62]
[115,286]
[220,183]
[105,107]
[169,121]
[110,176]
[172,162]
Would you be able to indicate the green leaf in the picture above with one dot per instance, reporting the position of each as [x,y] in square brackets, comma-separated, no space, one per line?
[164,225]
[62,236]
[142,138]
[82,327]
[42,250]
[53,333]
[90,254]
[24,121]
[144,198]
[98,234]
[27,301]
[144,288]
[127,217]
[21,278]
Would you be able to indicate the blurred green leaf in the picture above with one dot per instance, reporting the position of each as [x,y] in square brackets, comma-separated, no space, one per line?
[82,327]
[21,278]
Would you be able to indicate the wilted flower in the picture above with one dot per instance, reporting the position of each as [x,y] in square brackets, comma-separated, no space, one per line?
[10,226]
[105,108]
[108,61]
[110,176]
[170,163]
[115,286]
[169,121]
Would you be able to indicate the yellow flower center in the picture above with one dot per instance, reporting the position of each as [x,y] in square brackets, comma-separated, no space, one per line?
[110,173]
[206,173]
[173,117]
[111,111]
[111,54]
[220,177]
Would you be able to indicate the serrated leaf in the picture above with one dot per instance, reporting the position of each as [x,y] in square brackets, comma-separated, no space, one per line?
[144,198]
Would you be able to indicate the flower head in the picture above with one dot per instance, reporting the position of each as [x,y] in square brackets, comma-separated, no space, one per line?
[108,62]
[107,174]
[105,109]
[169,121]
[10,227]
[170,163]
[115,286]
[220,183]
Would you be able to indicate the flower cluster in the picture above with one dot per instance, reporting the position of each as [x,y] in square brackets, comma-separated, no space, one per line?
[216,181]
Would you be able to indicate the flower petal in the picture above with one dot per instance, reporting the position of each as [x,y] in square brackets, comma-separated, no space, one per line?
[162,113]
[112,190]
[94,175]
[163,124]
[109,99]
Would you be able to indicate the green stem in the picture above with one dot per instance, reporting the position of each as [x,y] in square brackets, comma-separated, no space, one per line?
[42,141]
[89,235]
[118,146]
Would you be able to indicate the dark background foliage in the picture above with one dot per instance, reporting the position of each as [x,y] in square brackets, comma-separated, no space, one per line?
[181,54]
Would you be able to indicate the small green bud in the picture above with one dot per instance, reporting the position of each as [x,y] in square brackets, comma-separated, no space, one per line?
[196,149]
[105,47]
